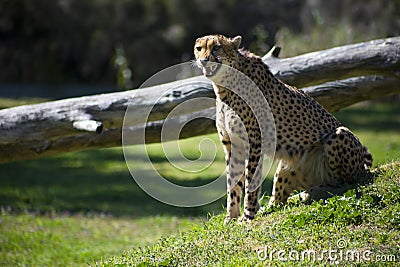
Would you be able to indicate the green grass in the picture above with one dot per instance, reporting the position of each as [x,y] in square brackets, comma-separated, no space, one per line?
[80,207]
[365,222]
[85,182]
[60,240]
[83,207]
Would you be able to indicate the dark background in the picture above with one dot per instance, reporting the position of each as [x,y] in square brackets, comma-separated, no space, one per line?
[77,47]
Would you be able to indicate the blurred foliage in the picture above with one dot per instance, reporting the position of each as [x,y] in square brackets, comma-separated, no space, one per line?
[124,73]
[74,41]
[329,24]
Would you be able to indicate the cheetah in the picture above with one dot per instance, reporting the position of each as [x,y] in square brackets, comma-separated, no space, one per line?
[315,153]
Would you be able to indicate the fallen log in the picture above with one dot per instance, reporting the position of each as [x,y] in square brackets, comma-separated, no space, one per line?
[88,122]
[378,57]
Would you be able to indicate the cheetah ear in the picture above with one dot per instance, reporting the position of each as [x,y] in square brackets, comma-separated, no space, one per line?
[236,41]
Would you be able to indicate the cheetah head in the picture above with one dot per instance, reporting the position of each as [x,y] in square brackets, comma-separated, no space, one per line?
[212,51]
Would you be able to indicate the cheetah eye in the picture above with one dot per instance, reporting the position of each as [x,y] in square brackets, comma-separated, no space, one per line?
[216,47]
[198,48]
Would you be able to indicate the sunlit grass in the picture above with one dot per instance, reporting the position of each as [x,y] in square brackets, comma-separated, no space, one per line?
[80,207]
[61,239]
[363,222]
[200,158]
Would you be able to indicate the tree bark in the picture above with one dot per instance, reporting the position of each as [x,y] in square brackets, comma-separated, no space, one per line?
[349,74]
[378,57]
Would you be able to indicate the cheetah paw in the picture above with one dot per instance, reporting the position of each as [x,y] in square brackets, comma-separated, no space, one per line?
[246,218]
[305,197]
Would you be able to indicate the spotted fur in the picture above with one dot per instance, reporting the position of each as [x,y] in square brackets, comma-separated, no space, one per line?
[313,149]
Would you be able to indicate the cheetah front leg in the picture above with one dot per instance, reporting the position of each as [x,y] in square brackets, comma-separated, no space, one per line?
[235,180]
[234,175]
[253,175]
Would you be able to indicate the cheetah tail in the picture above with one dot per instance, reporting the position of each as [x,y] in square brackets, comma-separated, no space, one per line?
[367,158]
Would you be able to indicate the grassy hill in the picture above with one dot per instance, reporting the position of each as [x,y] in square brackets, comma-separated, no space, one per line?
[360,227]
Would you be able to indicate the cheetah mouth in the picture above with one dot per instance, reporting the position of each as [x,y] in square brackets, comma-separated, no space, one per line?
[211,69]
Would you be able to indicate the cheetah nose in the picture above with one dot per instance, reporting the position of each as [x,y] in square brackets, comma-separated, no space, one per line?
[204,62]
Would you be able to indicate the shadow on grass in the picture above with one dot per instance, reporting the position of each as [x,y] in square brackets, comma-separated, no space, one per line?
[379,117]
[84,182]
[87,182]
